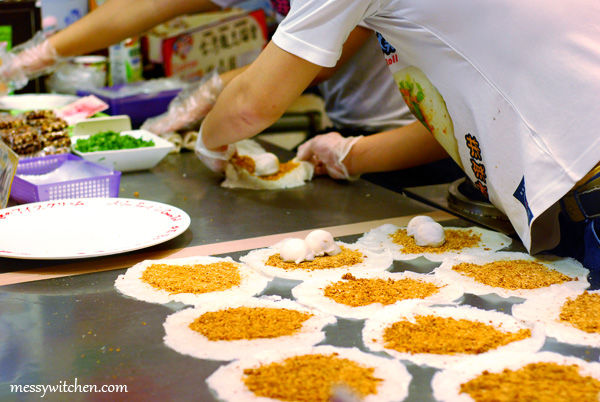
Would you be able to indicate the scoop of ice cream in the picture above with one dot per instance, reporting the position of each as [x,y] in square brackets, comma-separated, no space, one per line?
[265,164]
[430,234]
[411,228]
[321,242]
[295,250]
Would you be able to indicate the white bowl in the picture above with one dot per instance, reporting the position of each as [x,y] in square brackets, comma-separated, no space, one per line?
[128,160]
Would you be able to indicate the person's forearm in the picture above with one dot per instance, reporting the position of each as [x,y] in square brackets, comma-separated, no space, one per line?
[116,20]
[257,97]
[396,149]
[227,76]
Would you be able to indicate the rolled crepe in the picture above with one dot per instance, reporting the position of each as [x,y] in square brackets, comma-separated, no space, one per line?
[174,139]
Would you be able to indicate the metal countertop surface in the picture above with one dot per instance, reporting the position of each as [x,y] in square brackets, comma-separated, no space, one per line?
[219,214]
[79,328]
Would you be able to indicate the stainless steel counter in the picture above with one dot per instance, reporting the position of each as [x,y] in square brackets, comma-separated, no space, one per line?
[219,214]
[78,328]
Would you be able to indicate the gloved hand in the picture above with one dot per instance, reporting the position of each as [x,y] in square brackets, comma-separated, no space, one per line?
[327,152]
[214,160]
[29,60]
[189,106]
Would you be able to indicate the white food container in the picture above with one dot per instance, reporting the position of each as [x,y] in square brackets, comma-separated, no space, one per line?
[124,160]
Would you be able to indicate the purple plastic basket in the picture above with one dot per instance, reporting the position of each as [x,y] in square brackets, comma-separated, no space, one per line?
[138,107]
[98,181]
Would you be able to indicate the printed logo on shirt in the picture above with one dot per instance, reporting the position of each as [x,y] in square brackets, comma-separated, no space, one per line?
[520,194]
[426,103]
[385,45]
[477,166]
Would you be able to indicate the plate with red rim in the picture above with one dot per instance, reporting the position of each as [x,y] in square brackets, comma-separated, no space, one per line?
[87,227]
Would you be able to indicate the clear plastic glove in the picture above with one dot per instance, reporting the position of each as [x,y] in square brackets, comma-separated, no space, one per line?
[214,160]
[189,106]
[29,60]
[327,152]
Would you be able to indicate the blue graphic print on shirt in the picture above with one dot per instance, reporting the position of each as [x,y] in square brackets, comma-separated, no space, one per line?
[385,45]
[520,194]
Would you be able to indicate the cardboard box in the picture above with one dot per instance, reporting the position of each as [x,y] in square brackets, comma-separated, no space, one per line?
[195,45]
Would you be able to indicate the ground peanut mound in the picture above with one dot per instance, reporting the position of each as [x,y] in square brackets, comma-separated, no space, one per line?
[197,278]
[512,274]
[346,258]
[542,382]
[310,378]
[249,323]
[361,292]
[447,336]
[247,163]
[455,240]
[583,312]
[244,162]
[284,168]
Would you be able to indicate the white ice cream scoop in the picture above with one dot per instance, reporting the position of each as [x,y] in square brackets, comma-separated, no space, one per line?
[321,242]
[265,164]
[411,228]
[430,234]
[295,250]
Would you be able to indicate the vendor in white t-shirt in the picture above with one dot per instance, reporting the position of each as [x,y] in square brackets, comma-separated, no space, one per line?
[510,89]
[346,89]
[350,89]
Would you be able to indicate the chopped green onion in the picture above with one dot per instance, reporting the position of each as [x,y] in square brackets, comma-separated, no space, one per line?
[110,141]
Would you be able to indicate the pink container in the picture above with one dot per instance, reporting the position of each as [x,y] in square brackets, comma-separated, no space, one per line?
[55,177]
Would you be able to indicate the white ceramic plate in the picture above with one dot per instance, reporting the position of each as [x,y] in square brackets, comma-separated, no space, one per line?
[35,101]
[87,227]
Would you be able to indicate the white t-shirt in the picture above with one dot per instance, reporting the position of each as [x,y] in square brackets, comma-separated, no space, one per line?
[510,88]
[351,94]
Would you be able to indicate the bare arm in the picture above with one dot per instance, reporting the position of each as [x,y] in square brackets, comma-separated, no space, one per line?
[116,20]
[227,76]
[257,97]
[400,148]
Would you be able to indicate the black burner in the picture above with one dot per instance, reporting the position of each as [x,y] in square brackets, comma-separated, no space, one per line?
[468,189]
[464,197]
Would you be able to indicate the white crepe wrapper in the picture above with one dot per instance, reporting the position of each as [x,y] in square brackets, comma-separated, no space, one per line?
[567,266]
[545,309]
[240,178]
[380,237]
[446,384]
[174,139]
[311,293]
[236,177]
[180,337]
[189,140]
[373,261]
[227,382]
[375,327]
[131,284]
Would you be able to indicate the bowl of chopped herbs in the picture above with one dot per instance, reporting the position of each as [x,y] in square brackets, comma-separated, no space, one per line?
[124,151]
